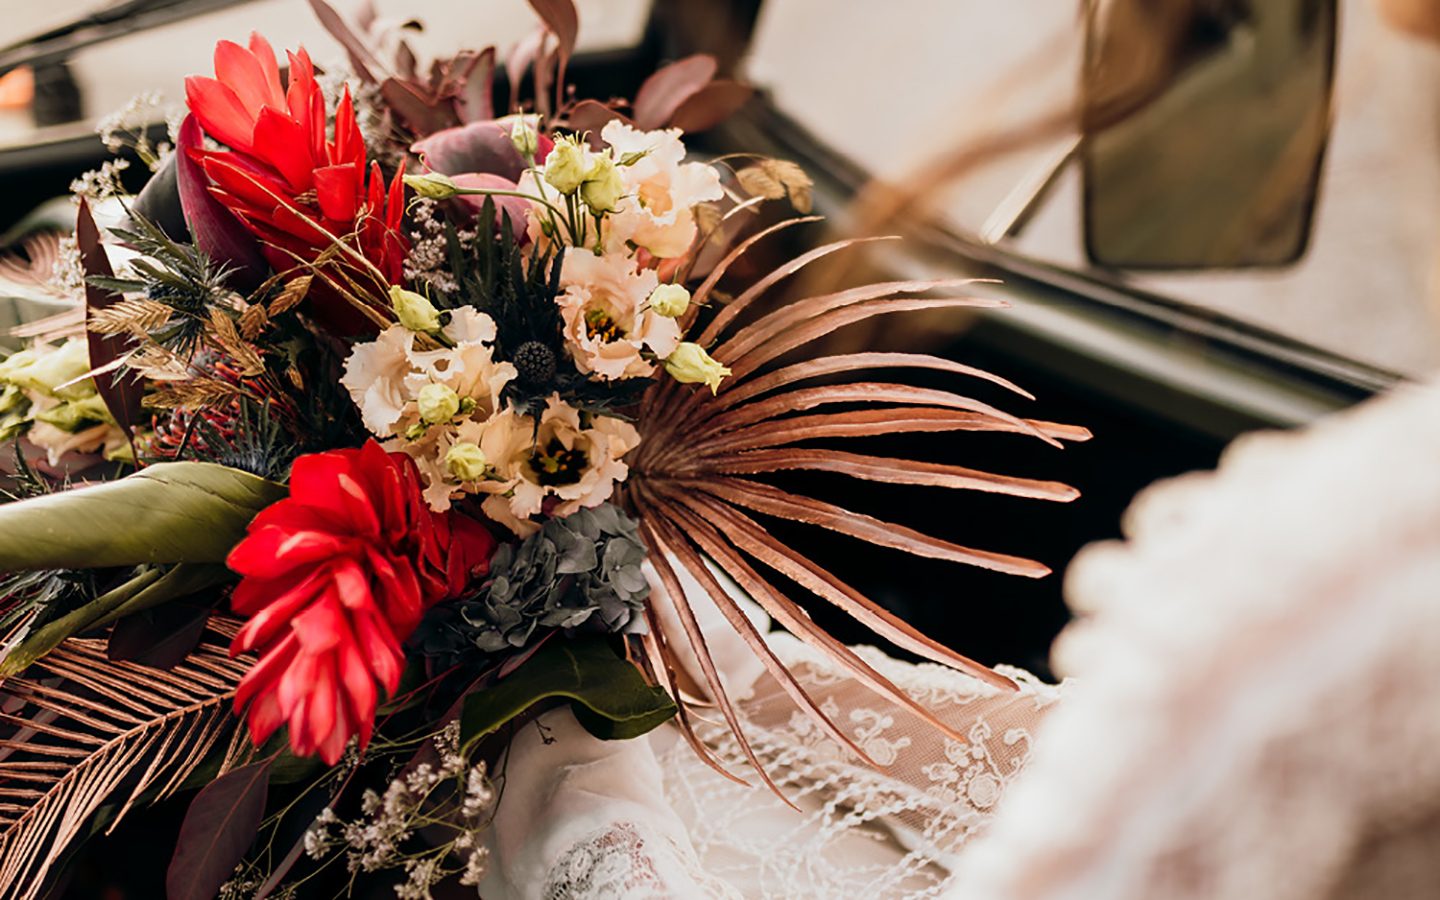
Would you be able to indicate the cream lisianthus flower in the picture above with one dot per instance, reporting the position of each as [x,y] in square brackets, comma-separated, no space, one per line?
[660,190]
[568,460]
[607,319]
[426,399]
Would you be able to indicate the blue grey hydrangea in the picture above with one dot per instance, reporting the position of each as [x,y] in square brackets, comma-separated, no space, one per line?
[578,572]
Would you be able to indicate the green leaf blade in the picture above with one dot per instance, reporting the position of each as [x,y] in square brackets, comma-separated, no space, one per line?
[176,512]
[609,696]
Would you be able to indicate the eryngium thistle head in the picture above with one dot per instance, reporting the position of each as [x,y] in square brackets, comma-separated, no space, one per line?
[579,572]
[535,363]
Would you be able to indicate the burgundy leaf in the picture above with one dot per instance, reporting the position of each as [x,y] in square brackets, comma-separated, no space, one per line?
[122,391]
[663,92]
[562,19]
[419,113]
[711,105]
[590,116]
[475,103]
[480,147]
[213,227]
[161,637]
[361,59]
[405,60]
[219,827]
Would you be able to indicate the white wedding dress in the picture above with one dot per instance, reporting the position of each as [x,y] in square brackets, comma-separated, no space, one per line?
[1256,717]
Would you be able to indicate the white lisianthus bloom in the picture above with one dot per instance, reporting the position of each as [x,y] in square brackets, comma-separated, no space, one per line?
[576,465]
[387,378]
[660,190]
[607,318]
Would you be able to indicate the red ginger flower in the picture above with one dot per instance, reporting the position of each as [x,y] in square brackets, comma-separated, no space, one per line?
[291,185]
[336,577]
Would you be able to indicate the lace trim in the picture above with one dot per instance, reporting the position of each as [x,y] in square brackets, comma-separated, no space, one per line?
[631,861]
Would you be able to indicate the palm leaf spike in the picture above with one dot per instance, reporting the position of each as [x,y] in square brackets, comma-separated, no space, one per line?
[107,730]
[692,479]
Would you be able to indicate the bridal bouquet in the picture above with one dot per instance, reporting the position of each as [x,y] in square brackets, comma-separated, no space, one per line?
[419,421]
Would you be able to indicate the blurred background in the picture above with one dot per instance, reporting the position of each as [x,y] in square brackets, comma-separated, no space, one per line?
[1210,216]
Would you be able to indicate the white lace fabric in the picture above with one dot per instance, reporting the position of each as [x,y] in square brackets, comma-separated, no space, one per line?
[856,832]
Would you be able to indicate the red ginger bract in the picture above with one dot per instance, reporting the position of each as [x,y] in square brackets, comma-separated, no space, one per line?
[296,189]
[336,577]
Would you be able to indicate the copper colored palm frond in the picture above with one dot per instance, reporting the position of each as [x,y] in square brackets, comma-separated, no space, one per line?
[696,480]
[79,730]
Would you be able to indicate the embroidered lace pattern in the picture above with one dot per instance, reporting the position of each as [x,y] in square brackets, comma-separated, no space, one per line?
[631,861]
[855,831]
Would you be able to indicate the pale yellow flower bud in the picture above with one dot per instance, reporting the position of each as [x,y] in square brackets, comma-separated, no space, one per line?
[433,185]
[523,138]
[602,188]
[437,403]
[73,415]
[670,300]
[565,166]
[413,310]
[44,374]
[466,462]
[690,364]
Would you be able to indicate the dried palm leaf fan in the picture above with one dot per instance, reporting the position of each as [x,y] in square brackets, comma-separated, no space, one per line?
[693,479]
[79,730]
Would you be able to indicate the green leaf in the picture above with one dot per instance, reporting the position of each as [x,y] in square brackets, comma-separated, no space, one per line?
[148,588]
[190,512]
[607,693]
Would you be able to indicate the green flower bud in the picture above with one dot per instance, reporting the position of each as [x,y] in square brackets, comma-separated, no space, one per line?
[523,138]
[466,462]
[45,374]
[414,311]
[433,185]
[670,300]
[437,403]
[602,188]
[76,415]
[690,364]
[565,166]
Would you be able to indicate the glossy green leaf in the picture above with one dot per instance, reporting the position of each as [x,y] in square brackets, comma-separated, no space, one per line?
[147,588]
[607,693]
[168,513]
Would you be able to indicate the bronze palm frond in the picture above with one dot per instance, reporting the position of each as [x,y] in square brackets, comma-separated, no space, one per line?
[696,480]
[79,731]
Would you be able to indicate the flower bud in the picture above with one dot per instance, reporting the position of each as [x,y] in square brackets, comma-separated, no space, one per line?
[414,311]
[690,364]
[433,185]
[44,374]
[466,462]
[565,166]
[670,300]
[523,138]
[437,403]
[602,188]
[76,415]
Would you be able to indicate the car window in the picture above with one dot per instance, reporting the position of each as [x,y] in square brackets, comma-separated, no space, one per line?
[891,85]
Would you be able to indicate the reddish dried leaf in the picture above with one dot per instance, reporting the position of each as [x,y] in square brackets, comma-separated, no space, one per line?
[892,471]
[711,105]
[772,501]
[121,390]
[219,827]
[362,60]
[664,91]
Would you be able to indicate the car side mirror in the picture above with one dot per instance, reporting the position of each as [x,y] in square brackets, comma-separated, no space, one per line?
[1203,127]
